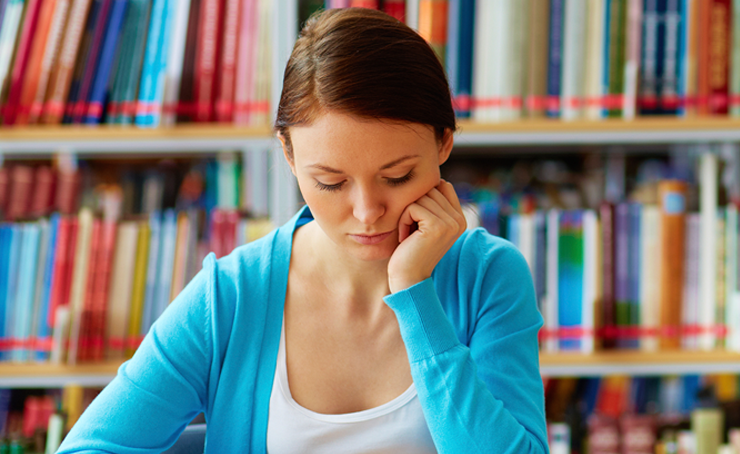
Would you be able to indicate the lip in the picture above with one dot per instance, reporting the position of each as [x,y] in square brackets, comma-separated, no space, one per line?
[371,239]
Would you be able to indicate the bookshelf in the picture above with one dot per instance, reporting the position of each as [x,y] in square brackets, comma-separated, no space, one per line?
[599,364]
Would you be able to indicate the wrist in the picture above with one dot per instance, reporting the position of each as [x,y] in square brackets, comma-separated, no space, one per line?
[404,282]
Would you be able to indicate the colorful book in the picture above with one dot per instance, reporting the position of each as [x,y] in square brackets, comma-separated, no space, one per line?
[25,293]
[42,332]
[149,107]
[60,78]
[100,82]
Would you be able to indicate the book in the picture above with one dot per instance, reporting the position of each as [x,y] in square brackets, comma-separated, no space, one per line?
[8,36]
[246,62]
[672,196]
[25,295]
[100,82]
[79,282]
[573,59]
[226,74]
[708,249]
[138,289]
[42,331]
[175,62]
[206,56]
[60,77]
[70,104]
[120,295]
[20,61]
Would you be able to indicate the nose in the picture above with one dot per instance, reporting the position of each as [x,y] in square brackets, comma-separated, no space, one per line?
[368,205]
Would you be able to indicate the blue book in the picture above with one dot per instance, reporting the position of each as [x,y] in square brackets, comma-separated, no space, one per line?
[3,7]
[459,55]
[683,49]
[16,237]
[152,271]
[570,276]
[540,273]
[25,294]
[555,54]
[167,262]
[635,214]
[621,270]
[672,85]
[5,236]
[43,330]
[652,56]
[154,65]
[94,113]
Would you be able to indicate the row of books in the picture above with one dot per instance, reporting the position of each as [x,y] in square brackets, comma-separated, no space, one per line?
[650,274]
[589,59]
[86,288]
[143,62]
[36,421]
[638,414]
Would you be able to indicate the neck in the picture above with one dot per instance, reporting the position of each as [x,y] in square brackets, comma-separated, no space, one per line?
[356,280]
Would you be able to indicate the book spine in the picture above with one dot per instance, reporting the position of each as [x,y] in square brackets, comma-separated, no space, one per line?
[735,61]
[186,102]
[632,57]
[138,289]
[133,72]
[79,281]
[8,35]
[573,66]
[672,197]
[155,252]
[205,59]
[535,93]
[621,272]
[590,279]
[146,110]
[594,58]
[552,302]
[690,309]
[649,278]
[80,62]
[43,341]
[27,264]
[61,73]
[555,58]
[707,258]
[175,64]
[91,65]
[20,61]
[245,63]
[224,93]
[100,292]
[395,8]
[35,57]
[122,61]
[51,55]
[16,239]
[99,89]
[608,310]
[433,24]
[615,88]
[719,54]
[669,95]
[635,234]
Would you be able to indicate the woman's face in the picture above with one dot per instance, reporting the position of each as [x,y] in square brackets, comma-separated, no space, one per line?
[357,177]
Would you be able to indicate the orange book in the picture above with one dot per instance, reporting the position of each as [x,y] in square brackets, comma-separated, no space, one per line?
[51,55]
[672,199]
[433,24]
[61,72]
[33,68]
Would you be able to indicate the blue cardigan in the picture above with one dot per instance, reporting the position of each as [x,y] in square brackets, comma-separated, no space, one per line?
[470,332]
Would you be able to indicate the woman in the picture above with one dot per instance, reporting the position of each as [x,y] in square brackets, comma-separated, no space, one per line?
[372,321]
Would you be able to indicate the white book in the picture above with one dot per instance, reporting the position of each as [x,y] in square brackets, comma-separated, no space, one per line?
[690,308]
[590,277]
[173,72]
[594,68]
[551,282]
[574,62]
[80,274]
[261,95]
[412,14]
[256,182]
[732,309]
[484,57]
[650,275]
[633,38]
[166,263]
[516,56]
[708,253]
[8,37]
[526,241]
[60,334]
[122,282]
[500,44]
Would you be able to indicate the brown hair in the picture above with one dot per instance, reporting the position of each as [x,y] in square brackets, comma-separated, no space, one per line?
[365,63]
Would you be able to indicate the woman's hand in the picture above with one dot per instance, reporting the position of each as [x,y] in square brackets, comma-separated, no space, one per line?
[440,222]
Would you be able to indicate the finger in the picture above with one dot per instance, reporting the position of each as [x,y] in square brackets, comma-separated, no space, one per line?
[413,213]
[448,190]
[435,208]
[439,197]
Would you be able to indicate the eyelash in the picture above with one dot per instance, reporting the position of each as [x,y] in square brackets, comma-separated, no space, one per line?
[391,181]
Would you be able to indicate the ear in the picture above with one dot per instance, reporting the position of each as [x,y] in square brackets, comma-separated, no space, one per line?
[288,159]
[445,147]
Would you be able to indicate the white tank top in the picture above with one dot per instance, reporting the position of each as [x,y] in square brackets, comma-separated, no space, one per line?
[394,427]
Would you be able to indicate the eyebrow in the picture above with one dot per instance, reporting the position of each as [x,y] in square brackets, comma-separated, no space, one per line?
[386,166]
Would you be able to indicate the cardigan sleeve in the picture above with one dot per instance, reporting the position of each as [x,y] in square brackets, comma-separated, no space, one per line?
[487,396]
[161,388]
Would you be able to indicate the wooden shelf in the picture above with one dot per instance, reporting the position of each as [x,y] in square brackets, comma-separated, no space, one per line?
[131,139]
[650,130]
[43,375]
[30,375]
[215,137]
[638,363]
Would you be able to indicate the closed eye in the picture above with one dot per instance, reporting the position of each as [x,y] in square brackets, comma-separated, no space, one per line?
[391,181]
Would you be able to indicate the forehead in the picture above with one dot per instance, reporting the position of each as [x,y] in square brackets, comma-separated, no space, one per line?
[336,138]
